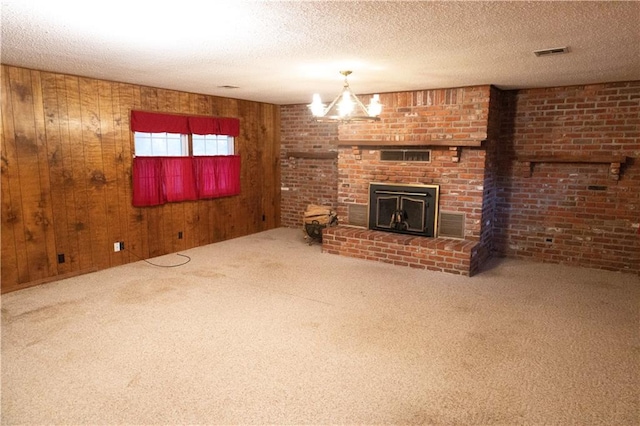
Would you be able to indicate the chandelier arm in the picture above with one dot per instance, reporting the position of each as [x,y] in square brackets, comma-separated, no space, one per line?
[360,103]
[333,103]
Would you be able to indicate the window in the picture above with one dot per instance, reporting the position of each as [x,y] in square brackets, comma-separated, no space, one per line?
[212,144]
[180,158]
[177,145]
[161,144]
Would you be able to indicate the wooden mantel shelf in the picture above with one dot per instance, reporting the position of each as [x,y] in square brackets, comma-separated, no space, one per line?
[573,159]
[614,161]
[397,144]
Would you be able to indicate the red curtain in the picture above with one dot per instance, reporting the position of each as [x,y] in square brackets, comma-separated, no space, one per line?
[214,126]
[217,176]
[154,122]
[147,181]
[178,179]
[158,180]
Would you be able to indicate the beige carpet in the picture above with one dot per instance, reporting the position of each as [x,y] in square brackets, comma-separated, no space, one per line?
[267,329]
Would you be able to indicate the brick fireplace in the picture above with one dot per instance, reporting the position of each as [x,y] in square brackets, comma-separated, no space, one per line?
[455,127]
[563,190]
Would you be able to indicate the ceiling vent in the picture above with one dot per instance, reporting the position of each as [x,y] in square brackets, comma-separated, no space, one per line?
[554,51]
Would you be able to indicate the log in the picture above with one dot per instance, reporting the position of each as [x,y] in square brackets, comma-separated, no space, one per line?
[321,216]
[313,210]
[322,219]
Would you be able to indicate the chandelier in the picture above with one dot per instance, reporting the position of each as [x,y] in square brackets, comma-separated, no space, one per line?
[346,106]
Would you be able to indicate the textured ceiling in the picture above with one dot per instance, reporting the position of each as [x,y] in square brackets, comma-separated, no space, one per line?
[282,52]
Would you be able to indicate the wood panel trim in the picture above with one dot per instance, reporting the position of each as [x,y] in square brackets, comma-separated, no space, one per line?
[14,287]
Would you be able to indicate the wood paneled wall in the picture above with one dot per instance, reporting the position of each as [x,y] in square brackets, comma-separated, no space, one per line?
[67,151]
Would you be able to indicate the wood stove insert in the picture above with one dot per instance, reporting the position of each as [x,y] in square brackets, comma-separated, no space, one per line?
[404,209]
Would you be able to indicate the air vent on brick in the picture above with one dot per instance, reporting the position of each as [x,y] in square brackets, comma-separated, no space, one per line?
[451,225]
[357,214]
[406,155]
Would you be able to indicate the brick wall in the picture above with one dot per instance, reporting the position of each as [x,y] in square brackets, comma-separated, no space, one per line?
[441,120]
[461,183]
[571,213]
[426,116]
[306,180]
[453,115]
[431,116]
[491,178]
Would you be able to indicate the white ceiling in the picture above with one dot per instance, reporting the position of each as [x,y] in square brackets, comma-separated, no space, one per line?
[282,52]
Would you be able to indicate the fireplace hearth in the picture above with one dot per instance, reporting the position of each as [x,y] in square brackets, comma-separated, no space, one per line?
[404,209]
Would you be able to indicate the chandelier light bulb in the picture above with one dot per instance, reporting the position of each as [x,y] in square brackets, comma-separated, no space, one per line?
[345,107]
[375,107]
[316,106]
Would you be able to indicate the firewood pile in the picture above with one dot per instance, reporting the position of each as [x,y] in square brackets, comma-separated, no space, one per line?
[316,218]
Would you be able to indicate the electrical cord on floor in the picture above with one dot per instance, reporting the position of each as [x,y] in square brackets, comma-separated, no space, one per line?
[164,266]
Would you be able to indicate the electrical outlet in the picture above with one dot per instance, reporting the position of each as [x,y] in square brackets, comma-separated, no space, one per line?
[180,235]
[61,258]
[116,246]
